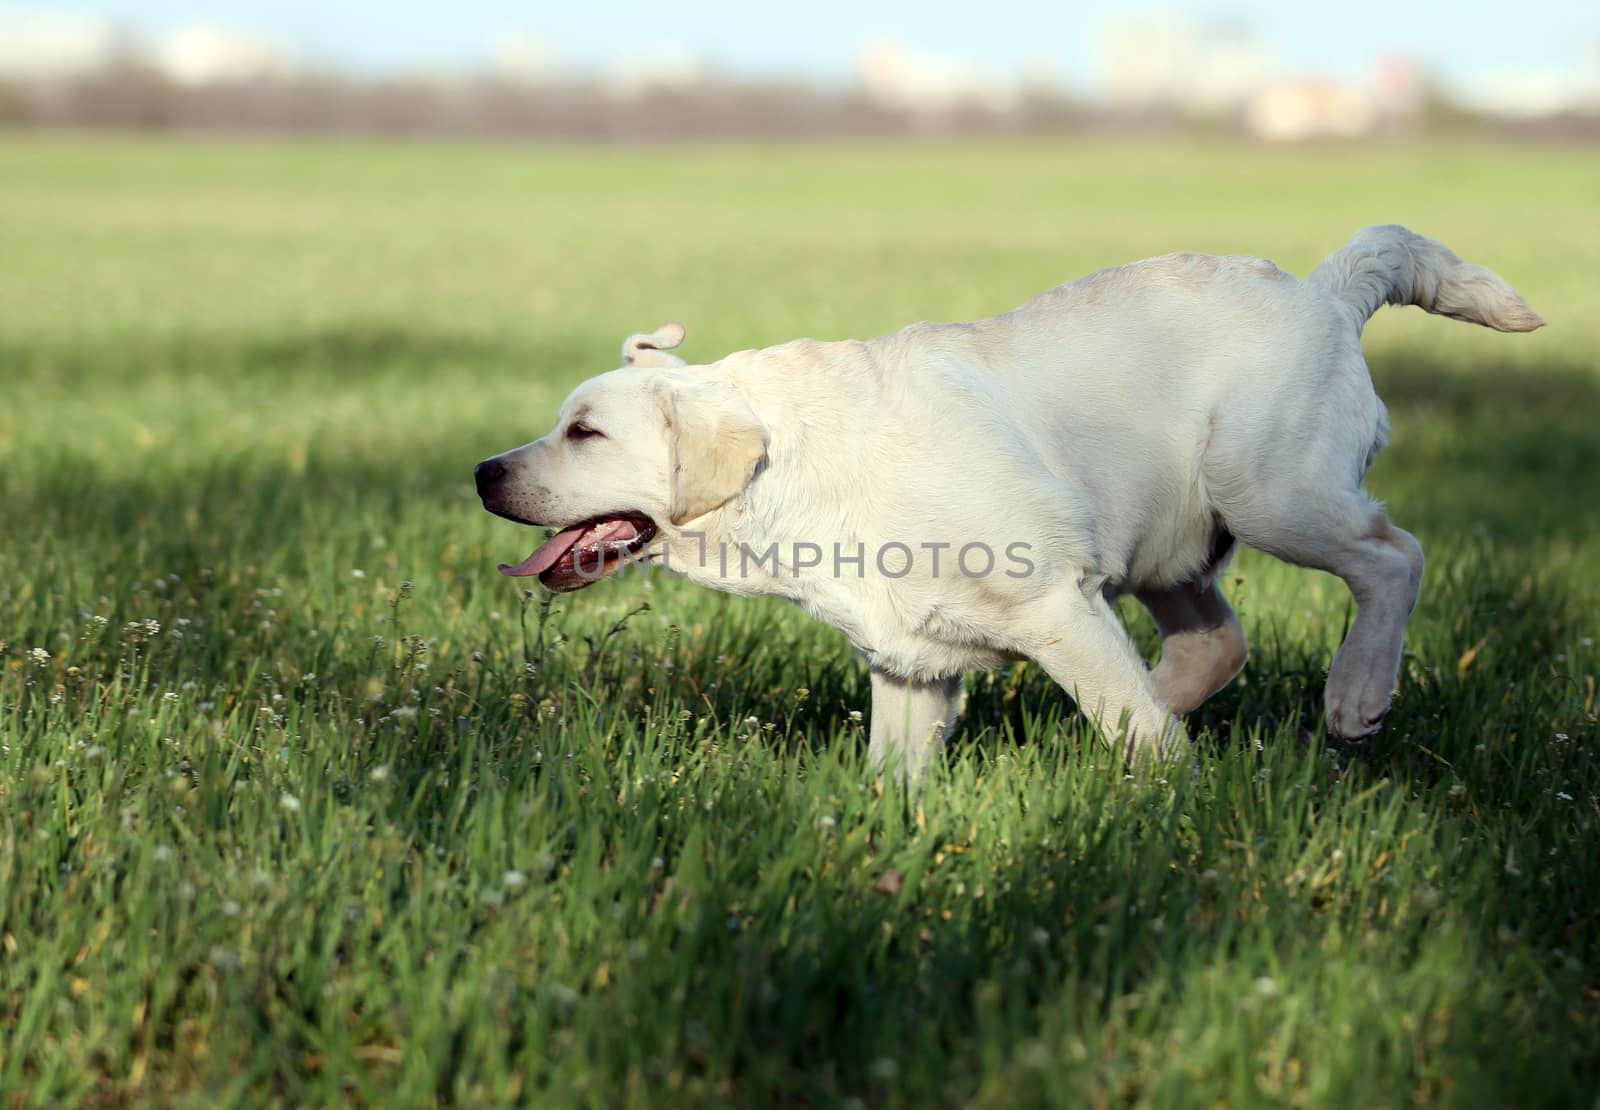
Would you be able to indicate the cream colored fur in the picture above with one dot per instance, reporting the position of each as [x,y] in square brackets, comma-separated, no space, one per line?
[1124,427]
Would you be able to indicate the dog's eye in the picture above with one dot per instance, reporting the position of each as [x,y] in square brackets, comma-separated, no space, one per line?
[582,431]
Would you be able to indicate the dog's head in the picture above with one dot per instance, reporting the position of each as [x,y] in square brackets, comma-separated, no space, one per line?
[640,451]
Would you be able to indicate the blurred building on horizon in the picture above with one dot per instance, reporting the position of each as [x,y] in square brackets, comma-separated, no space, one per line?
[1154,72]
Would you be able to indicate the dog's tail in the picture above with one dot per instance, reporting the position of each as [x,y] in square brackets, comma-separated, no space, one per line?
[1393,265]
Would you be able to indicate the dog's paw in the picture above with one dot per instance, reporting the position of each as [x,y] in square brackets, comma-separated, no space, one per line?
[1361,684]
[1150,748]
[1355,710]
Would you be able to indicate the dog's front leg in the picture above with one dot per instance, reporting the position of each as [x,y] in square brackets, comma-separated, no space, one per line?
[910,721]
[1083,646]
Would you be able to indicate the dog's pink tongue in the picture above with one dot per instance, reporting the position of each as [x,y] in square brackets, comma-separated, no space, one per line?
[545,555]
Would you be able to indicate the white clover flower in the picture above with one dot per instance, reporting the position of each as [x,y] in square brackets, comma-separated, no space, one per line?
[289,802]
[358,573]
[378,774]
[513,880]
[39,656]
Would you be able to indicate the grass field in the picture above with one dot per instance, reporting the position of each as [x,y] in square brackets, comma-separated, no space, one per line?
[301,803]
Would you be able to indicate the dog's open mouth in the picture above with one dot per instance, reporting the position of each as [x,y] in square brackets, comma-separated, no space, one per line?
[583,554]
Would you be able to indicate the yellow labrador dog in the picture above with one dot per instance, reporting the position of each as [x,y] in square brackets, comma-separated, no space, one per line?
[954,495]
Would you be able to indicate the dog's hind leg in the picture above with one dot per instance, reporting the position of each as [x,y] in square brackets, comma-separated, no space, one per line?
[910,721]
[1346,533]
[1202,645]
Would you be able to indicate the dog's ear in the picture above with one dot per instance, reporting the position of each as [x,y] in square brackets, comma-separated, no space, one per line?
[650,350]
[715,443]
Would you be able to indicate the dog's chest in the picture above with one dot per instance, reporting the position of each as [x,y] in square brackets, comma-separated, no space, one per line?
[911,630]
[915,617]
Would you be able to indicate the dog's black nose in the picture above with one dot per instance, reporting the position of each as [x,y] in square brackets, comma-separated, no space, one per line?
[488,473]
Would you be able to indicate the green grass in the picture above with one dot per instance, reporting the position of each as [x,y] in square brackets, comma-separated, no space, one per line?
[278,827]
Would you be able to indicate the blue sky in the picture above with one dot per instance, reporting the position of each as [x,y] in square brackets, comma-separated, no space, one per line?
[821,37]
